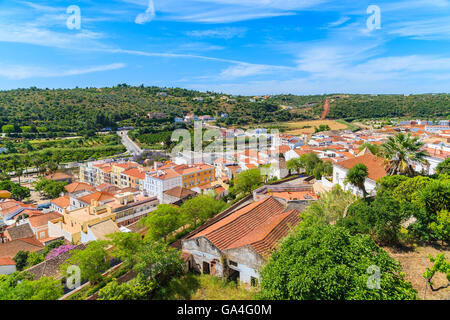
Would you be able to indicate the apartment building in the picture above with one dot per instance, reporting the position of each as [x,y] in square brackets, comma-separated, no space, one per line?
[123,209]
[185,176]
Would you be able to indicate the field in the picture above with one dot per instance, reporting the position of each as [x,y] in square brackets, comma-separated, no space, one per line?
[306,127]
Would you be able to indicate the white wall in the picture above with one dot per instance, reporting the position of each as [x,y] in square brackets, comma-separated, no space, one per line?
[7,269]
[339,176]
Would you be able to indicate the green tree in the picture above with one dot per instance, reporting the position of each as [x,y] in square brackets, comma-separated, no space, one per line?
[443,167]
[21,259]
[21,286]
[125,246]
[8,128]
[381,218]
[136,289]
[329,208]
[294,165]
[441,227]
[197,210]
[34,258]
[247,181]
[328,263]
[309,161]
[357,176]
[159,262]
[400,152]
[408,190]
[389,183]
[165,220]
[93,261]
[441,265]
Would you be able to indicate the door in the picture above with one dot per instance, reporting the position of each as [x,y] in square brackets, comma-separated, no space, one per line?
[206,269]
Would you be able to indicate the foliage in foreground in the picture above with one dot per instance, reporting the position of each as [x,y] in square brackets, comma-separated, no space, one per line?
[328,263]
[20,286]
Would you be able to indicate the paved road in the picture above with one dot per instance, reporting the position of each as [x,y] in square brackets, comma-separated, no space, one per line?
[132,147]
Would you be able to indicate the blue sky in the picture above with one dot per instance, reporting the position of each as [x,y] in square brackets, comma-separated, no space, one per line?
[231,46]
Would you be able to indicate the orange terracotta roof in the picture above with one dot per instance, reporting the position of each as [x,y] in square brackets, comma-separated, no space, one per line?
[375,165]
[10,249]
[283,148]
[62,202]
[78,186]
[135,172]
[264,237]
[257,225]
[58,176]
[96,196]
[6,261]
[42,220]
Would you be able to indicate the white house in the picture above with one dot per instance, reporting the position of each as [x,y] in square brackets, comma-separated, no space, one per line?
[156,183]
[376,170]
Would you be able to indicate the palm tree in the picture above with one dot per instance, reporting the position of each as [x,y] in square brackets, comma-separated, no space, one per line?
[400,152]
[357,176]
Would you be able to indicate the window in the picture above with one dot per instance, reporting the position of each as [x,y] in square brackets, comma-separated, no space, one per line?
[234,264]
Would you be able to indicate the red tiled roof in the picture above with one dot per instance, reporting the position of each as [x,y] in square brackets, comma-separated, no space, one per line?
[6,261]
[375,165]
[42,220]
[62,202]
[97,196]
[10,249]
[78,186]
[135,172]
[257,225]
[265,237]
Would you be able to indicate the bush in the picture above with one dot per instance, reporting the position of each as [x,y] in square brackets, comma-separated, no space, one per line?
[328,263]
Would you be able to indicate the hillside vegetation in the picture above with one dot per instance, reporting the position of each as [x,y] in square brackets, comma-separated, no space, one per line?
[77,110]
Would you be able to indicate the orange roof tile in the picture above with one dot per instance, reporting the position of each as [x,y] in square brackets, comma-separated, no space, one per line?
[96,196]
[376,167]
[252,225]
[6,261]
[62,202]
[78,186]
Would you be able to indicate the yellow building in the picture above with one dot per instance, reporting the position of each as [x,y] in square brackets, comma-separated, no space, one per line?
[4,194]
[196,175]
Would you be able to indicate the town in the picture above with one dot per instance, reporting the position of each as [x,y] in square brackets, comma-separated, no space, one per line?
[224,212]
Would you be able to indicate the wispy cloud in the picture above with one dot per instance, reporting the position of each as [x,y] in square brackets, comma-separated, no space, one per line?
[339,22]
[223,33]
[226,11]
[148,15]
[425,29]
[19,72]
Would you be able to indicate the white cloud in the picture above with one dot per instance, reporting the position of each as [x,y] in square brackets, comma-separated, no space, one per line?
[225,11]
[339,22]
[224,33]
[424,29]
[24,72]
[149,14]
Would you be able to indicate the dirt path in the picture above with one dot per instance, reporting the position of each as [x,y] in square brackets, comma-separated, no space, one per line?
[326,110]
